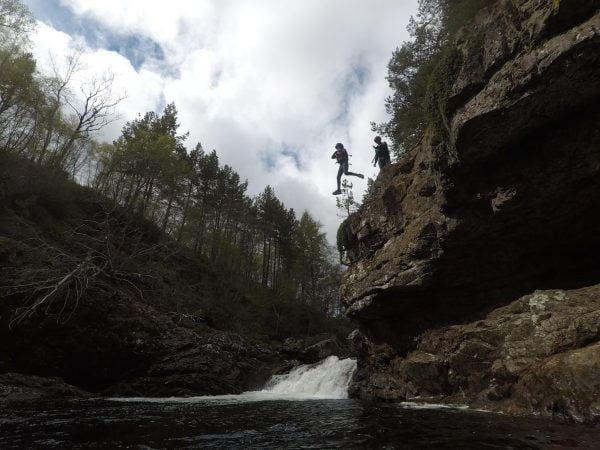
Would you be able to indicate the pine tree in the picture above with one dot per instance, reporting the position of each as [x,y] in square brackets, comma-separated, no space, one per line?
[345,202]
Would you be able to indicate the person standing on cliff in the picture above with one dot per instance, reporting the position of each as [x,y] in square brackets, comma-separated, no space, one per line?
[341,155]
[382,153]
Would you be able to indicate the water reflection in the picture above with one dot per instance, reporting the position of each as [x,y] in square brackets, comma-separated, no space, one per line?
[238,423]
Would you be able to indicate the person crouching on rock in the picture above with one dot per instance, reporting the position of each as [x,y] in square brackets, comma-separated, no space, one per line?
[341,155]
[382,153]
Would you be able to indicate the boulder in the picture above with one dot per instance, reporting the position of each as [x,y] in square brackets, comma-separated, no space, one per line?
[310,351]
[322,349]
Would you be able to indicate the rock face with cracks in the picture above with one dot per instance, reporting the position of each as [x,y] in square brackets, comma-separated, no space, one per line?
[469,259]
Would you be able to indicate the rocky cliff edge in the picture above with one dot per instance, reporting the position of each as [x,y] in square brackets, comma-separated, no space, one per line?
[473,263]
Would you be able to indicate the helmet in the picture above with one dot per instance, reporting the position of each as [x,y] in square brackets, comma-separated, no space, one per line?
[377,139]
[339,146]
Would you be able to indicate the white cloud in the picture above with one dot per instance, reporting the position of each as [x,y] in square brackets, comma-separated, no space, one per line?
[253,76]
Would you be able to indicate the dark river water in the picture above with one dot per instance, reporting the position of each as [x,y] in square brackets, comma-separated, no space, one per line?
[253,422]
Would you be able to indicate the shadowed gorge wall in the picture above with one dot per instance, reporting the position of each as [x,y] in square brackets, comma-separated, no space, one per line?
[506,205]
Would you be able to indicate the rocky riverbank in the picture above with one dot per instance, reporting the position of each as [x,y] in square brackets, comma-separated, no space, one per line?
[475,262]
[118,346]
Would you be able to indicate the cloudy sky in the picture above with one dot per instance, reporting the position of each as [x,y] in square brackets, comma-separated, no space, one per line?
[272,85]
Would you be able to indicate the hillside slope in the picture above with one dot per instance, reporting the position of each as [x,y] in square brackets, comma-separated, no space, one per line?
[101,299]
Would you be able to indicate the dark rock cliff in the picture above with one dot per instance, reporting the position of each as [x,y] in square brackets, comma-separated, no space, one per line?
[457,232]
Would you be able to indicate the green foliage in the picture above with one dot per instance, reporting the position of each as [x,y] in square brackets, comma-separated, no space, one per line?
[40,196]
[441,79]
[16,23]
[555,4]
[422,71]
[346,202]
[38,114]
[342,241]
[458,12]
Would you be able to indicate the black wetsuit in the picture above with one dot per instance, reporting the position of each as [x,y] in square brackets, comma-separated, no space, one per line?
[342,158]
[382,154]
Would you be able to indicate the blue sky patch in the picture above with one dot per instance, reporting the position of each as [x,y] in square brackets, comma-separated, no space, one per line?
[136,48]
[292,153]
[352,86]
[269,159]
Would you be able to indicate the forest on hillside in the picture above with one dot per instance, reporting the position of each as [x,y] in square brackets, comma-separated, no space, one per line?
[255,242]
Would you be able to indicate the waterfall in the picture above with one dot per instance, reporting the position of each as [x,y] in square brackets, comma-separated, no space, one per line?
[327,379]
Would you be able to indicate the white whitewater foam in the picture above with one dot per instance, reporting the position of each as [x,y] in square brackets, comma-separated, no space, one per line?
[328,379]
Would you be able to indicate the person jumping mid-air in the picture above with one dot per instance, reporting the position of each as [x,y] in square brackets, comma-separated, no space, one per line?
[382,153]
[341,155]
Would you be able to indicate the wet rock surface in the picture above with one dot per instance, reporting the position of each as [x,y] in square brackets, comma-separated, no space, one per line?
[455,231]
[540,353]
[310,351]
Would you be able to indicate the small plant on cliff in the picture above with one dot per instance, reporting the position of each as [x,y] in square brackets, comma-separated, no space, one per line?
[440,83]
[345,202]
[342,239]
